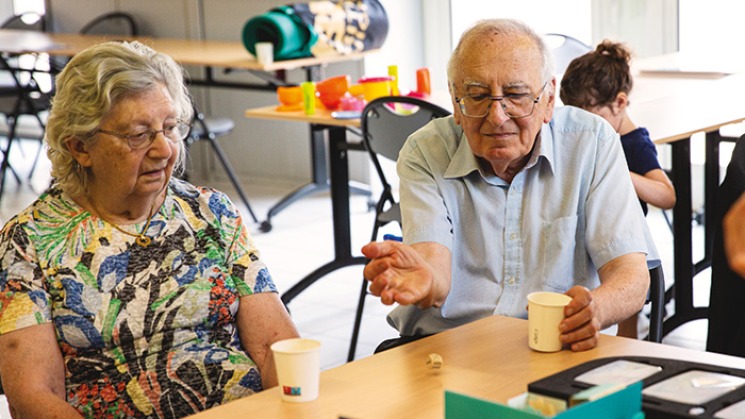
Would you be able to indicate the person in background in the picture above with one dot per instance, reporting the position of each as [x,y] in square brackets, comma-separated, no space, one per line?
[726,311]
[126,292]
[600,82]
[509,196]
[734,236]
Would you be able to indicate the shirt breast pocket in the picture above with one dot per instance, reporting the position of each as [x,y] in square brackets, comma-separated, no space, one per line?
[559,251]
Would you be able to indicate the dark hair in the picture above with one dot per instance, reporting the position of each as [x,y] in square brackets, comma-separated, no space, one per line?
[596,78]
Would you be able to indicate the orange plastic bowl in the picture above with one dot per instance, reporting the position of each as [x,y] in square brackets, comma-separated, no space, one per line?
[333,86]
[331,90]
[290,95]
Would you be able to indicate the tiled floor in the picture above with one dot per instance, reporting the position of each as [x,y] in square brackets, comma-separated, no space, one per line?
[301,240]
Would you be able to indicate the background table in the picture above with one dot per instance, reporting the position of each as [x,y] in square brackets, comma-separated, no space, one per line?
[488,358]
[339,183]
[209,54]
[674,107]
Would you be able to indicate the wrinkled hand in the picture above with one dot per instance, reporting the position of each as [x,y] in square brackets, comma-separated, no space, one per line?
[398,274]
[734,236]
[580,328]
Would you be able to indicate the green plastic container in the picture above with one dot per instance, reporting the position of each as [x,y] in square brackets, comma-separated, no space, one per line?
[292,38]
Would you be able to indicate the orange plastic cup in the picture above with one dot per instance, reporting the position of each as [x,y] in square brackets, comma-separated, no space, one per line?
[423,85]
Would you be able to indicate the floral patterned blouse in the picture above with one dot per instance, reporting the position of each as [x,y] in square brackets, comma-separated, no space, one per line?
[144,331]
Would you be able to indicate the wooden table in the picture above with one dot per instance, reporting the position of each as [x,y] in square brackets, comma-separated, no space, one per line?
[488,358]
[322,122]
[209,54]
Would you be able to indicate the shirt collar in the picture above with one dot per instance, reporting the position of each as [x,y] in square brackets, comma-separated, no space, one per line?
[464,162]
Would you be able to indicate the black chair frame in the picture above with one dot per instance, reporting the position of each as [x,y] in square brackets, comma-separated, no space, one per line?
[385,139]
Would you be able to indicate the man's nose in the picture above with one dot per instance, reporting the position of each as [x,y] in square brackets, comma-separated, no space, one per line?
[497,114]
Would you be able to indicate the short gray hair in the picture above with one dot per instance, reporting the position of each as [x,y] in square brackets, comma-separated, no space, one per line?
[90,84]
[486,27]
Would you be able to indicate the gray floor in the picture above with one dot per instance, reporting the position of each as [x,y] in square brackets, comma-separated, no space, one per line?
[301,240]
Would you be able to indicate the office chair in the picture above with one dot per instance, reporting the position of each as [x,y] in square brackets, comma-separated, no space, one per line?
[115,23]
[565,48]
[386,124]
[204,128]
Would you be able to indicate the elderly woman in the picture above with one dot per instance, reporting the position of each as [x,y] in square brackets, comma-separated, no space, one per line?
[124,291]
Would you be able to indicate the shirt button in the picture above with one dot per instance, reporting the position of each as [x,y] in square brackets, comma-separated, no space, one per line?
[511,281]
[513,236]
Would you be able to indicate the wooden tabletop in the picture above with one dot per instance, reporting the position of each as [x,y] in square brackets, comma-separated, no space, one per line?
[695,107]
[321,116]
[488,358]
[231,54]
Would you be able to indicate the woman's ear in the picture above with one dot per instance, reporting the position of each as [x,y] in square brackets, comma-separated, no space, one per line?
[621,102]
[79,151]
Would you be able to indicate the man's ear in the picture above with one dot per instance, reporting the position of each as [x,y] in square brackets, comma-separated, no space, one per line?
[551,102]
[79,151]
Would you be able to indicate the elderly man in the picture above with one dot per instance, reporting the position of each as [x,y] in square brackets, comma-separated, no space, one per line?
[507,197]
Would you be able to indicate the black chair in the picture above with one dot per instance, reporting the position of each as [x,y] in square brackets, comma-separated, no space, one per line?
[656,297]
[23,103]
[386,124]
[115,23]
[727,298]
[565,48]
[29,21]
[209,129]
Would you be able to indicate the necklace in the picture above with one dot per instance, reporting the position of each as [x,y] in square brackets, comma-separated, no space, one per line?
[140,238]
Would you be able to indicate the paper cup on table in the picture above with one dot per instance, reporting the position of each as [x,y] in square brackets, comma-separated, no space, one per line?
[545,312]
[265,52]
[298,363]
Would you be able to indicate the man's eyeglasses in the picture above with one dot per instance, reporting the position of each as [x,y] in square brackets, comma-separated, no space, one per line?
[173,131]
[514,105]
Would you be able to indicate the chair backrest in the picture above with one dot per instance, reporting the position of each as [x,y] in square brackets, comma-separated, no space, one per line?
[388,121]
[565,48]
[28,21]
[657,298]
[115,23]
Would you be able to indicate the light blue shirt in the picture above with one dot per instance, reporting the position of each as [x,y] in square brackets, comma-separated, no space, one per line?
[571,210]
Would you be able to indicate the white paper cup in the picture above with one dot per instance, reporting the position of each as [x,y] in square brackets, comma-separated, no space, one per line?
[545,312]
[265,53]
[298,363]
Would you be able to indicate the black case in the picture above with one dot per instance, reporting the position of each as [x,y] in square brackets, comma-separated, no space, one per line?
[563,385]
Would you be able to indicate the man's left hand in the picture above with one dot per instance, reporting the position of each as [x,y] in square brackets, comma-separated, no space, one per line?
[581,327]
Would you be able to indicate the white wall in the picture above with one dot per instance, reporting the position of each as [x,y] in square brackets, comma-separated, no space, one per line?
[570,17]
[711,23]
